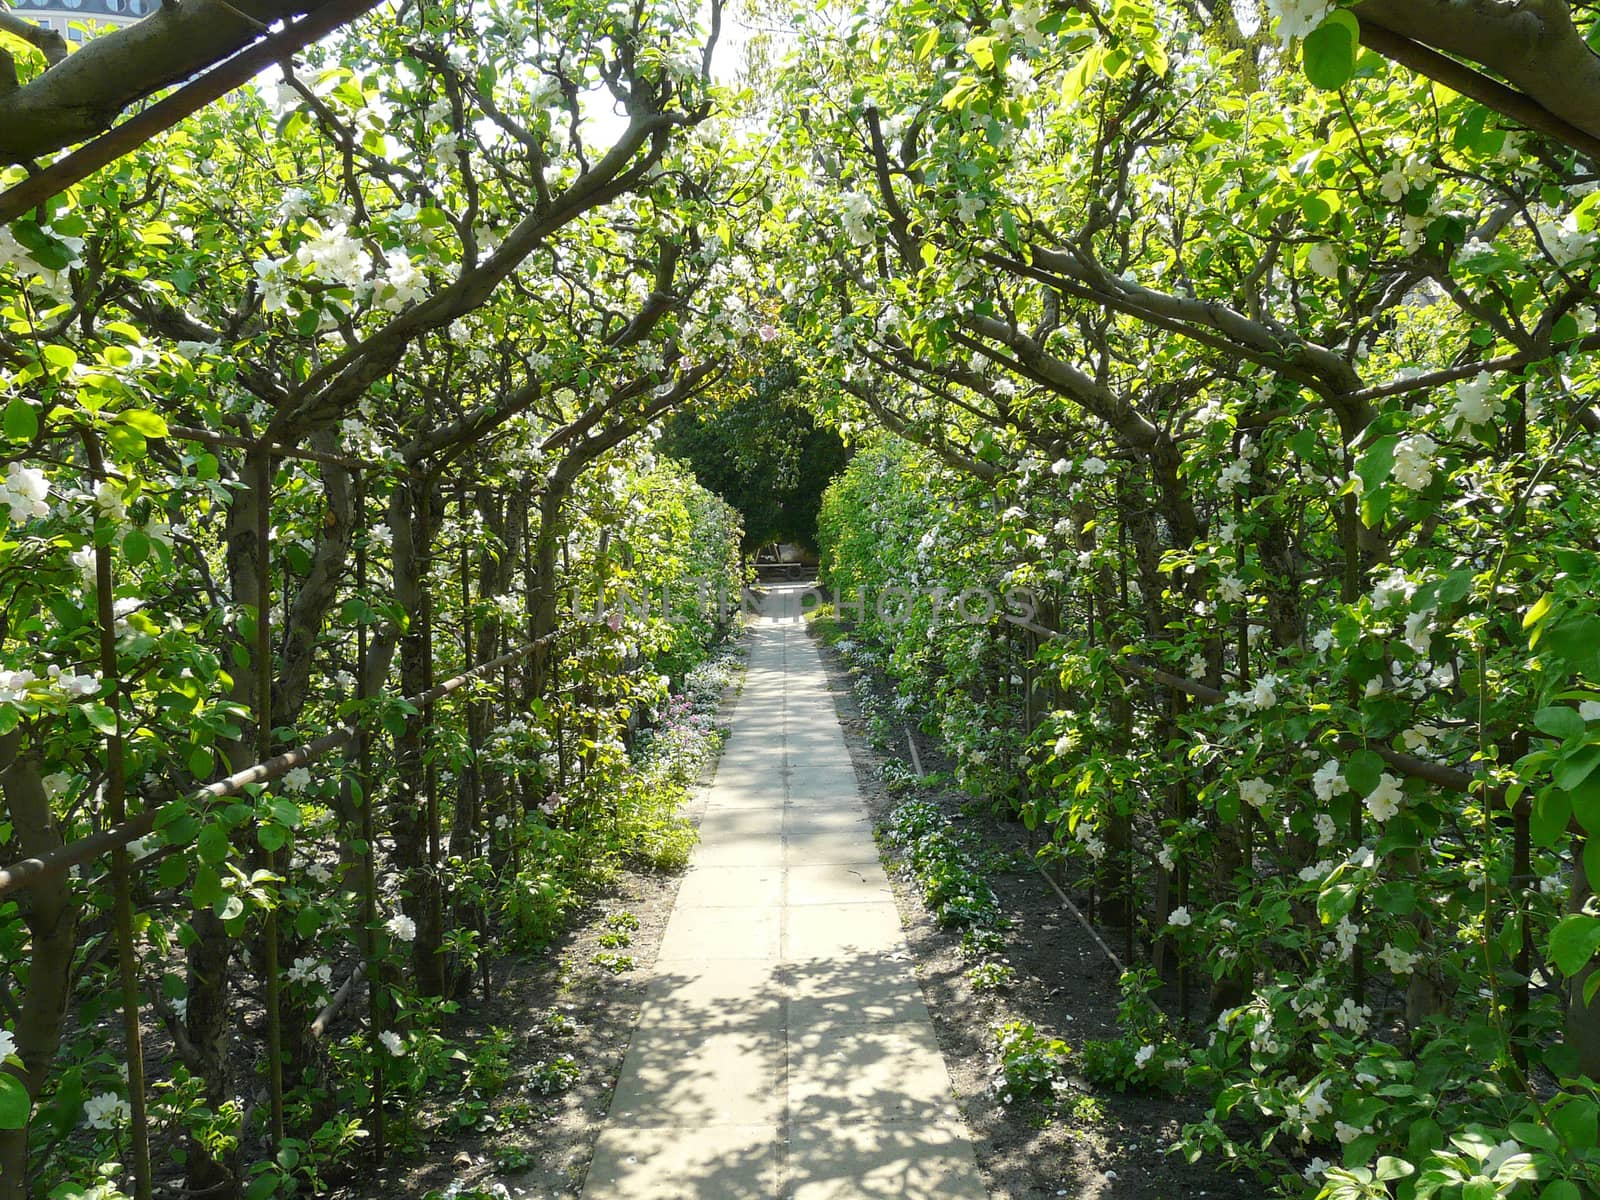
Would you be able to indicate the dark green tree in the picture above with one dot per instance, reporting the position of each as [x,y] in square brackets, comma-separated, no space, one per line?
[765,455]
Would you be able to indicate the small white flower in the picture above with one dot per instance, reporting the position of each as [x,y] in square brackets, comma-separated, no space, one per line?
[106,1111]
[298,779]
[1296,18]
[109,500]
[1329,781]
[1354,1017]
[1589,710]
[1384,800]
[1413,461]
[8,1044]
[1255,792]
[1397,960]
[402,927]
[1323,259]
[1264,694]
[1144,1055]
[1179,917]
[393,1043]
[1475,405]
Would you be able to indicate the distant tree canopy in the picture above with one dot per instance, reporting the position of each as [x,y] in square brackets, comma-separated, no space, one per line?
[764,454]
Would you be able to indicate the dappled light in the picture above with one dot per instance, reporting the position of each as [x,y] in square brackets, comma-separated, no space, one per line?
[448,447]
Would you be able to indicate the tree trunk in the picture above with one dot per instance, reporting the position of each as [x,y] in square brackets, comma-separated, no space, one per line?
[51,915]
[413,518]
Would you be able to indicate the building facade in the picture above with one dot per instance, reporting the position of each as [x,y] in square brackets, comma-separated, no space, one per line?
[80,20]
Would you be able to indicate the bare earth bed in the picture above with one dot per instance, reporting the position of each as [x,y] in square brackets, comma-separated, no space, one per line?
[538,1146]
[1066,987]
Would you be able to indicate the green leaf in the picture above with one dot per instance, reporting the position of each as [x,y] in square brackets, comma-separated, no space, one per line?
[126,441]
[45,250]
[1329,51]
[174,869]
[272,836]
[1562,1189]
[21,422]
[1363,770]
[152,425]
[213,843]
[1552,809]
[1337,900]
[1570,771]
[207,887]
[1376,463]
[1539,611]
[15,1104]
[1573,942]
[135,546]
[1397,898]
[1390,1167]
[201,760]
[1559,721]
[101,717]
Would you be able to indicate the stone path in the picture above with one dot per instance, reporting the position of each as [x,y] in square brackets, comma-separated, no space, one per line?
[783,1049]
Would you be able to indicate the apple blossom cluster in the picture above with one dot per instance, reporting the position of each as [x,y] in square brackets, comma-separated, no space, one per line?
[25,492]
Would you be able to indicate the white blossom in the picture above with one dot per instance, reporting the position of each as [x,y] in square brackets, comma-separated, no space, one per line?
[1474,403]
[1255,792]
[393,1043]
[25,491]
[1329,781]
[1413,461]
[1296,18]
[402,927]
[106,1111]
[1352,1016]
[1384,800]
[1397,960]
[1323,260]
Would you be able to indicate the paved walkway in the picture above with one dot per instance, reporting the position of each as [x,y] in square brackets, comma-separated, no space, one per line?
[783,1049]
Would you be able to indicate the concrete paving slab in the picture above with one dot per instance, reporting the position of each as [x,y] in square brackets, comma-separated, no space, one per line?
[871,1073]
[736,1161]
[712,933]
[836,883]
[731,887]
[852,991]
[852,1160]
[672,1076]
[746,838]
[825,849]
[798,821]
[725,993]
[831,931]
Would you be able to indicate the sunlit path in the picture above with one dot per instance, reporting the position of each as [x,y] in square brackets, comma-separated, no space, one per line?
[784,1049]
